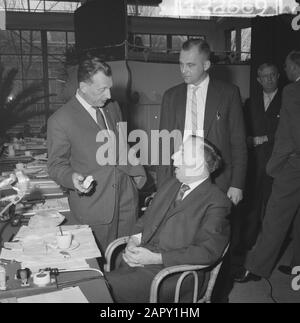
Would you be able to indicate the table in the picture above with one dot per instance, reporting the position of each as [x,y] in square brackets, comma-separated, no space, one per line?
[95,290]
[91,284]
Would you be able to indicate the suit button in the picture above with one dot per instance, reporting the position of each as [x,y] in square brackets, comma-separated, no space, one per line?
[114,185]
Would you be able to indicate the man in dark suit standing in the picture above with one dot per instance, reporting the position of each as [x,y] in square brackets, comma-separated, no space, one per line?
[110,204]
[208,108]
[187,223]
[265,114]
[284,166]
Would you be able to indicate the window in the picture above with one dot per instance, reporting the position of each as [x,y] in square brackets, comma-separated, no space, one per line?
[39,5]
[143,11]
[233,45]
[24,50]
[246,44]
[177,41]
[57,42]
[155,11]
[159,43]
[157,48]
[238,45]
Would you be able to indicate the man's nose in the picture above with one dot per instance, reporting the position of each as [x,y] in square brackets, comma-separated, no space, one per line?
[108,94]
[183,69]
[177,158]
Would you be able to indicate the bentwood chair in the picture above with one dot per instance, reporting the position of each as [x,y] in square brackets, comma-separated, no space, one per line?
[183,270]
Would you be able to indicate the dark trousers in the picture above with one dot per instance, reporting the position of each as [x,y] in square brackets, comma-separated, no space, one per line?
[132,284]
[260,193]
[281,213]
[125,215]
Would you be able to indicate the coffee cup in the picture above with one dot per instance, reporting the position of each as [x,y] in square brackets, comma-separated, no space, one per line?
[64,240]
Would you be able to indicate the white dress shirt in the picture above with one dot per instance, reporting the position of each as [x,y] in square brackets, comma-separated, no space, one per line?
[268,98]
[193,186]
[92,112]
[201,102]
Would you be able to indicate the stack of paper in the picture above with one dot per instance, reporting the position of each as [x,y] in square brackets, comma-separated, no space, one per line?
[68,295]
[39,248]
[53,205]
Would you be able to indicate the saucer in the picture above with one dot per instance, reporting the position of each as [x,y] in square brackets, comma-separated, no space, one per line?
[75,244]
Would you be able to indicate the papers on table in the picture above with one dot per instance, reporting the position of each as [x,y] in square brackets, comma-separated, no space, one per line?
[39,248]
[45,186]
[51,205]
[45,219]
[68,295]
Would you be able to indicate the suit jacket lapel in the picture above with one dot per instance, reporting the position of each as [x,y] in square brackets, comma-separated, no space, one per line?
[85,115]
[164,203]
[212,105]
[274,105]
[195,194]
[180,107]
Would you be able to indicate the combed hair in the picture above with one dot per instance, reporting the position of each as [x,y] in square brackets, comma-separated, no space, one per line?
[265,65]
[202,45]
[212,157]
[89,66]
[294,56]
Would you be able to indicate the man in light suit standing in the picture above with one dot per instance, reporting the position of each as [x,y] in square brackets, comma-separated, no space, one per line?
[110,204]
[284,203]
[209,108]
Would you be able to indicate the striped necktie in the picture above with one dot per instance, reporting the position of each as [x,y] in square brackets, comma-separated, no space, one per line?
[182,190]
[194,110]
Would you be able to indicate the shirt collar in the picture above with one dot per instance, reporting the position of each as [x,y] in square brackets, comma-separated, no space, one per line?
[298,79]
[82,101]
[195,184]
[203,84]
[271,94]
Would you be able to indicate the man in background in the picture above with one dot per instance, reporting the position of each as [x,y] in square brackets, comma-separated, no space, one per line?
[284,166]
[265,114]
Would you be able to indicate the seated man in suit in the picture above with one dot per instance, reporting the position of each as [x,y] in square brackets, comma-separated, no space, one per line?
[185,224]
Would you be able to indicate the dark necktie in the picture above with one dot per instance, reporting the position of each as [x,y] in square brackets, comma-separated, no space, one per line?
[100,118]
[182,190]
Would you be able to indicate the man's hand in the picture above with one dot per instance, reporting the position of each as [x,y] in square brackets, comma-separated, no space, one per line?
[259,140]
[78,180]
[133,242]
[140,256]
[235,195]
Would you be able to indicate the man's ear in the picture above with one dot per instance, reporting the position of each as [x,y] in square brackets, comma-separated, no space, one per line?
[207,65]
[82,87]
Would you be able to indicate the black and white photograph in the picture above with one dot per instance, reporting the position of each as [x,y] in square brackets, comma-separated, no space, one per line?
[149,154]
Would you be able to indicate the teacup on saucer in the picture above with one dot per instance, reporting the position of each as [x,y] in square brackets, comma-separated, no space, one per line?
[64,240]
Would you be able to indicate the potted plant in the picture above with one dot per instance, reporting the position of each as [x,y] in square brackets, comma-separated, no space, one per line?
[17,108]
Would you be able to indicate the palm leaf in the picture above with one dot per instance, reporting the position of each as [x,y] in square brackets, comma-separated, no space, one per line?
[25,95]
[18,109]
[6,86]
